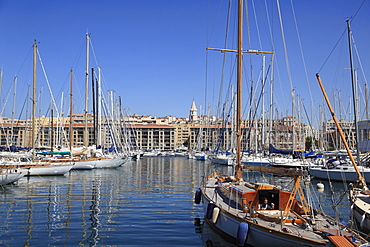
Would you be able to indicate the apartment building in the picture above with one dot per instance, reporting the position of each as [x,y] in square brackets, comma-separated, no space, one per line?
[150,132]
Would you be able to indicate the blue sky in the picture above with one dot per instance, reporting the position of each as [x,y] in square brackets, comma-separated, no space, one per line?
[153,53]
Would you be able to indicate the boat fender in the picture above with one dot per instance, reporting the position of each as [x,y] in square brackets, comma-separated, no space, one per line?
[198,196]
[242,235]
[216,212]
[209,243]
[320,185]
[210,208]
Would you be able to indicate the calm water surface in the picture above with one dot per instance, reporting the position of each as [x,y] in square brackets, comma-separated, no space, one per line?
[146,202]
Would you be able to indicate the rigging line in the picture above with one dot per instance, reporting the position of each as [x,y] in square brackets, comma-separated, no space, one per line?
[251,96]
[206,78]
[285,48]
[25,59]
[331,52]
[270,28]
[358,10]
[210,33]
[358,57]
[224,58]
[21,112]
[317,199]
[257,29]
[106,114]
[92,49]
[255,112]
[301,50]
[47,82]
[352,18]
[6,99]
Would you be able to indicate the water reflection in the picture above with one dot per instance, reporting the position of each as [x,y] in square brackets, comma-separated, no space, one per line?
[148,202]
[210,238]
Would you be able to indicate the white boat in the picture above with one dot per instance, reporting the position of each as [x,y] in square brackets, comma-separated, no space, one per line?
[337,170]
[84,164]
[153,153]
[10,175]
[101,162]
[200,156]
[181,154]
[223,159]
[292,163]
[110,162]
[46,168]
[339,173]
[258,160]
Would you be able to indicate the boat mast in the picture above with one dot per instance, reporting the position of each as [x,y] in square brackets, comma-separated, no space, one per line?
[70,112]
[271,99]
[367,100]
[239,90]
[99,139]
[34,100]
[239,51]
[52,131]
[12,139]
[354,90]
[360,177]
[263,102]
[86,133]
[93,105]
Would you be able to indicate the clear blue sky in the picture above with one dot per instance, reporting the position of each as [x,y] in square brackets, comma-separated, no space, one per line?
[153,53]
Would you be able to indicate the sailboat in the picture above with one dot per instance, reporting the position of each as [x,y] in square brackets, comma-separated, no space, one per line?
[40,167]
[340,168]
[232,205]
[10,174]
[95,157]
[359,193]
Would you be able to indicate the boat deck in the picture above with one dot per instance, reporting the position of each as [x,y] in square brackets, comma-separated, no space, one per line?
[270,219]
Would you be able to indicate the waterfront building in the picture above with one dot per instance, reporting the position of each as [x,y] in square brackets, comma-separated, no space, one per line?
[331,138]
[364,137]
[151,132]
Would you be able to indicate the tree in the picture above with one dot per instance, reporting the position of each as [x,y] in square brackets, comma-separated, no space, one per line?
[309,143]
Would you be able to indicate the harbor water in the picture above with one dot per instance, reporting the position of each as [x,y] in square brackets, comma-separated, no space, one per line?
[149,202]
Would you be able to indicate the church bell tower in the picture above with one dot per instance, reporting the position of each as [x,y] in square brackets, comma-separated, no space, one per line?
[193,117]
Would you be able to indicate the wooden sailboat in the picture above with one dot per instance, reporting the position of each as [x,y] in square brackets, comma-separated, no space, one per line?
[232,205]
[39,167]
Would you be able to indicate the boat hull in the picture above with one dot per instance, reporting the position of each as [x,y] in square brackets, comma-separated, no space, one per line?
[84,165]
[109,163]
[223,161]
[8,178]
[348,175]
[257,235]
[361,217]
[48,170]
[99,163]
